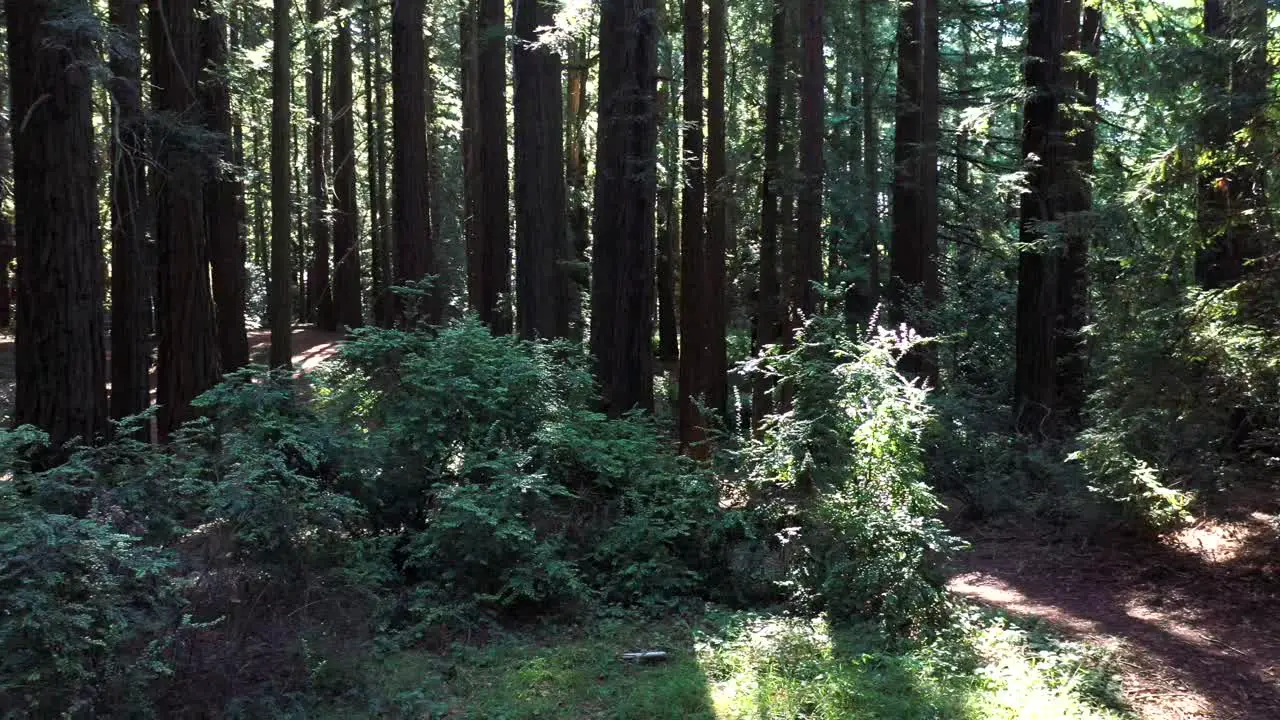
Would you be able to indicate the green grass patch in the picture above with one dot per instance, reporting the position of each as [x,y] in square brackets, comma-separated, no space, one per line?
[745,666]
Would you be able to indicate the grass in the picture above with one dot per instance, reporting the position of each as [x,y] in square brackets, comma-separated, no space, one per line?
[740,666]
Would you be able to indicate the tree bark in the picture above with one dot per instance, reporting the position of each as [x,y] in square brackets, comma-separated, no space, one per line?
[410,194]
[130,355]
[694,293]
[869,298]
[769,293]
[1073,285]
[718,197]
[914,286]
[319,305]
[384,307]
[668,220]
[542,283]
[374,139]
[622,260]
[60,360]
[808,259]
[188,357]
[1035,371]
[491,289]
[281,170]
[222,202]
[7,248]
[347,308]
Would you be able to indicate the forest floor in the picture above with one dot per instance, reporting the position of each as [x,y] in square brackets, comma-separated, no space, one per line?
[1190,619]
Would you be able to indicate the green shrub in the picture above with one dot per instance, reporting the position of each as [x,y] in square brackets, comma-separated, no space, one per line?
[840,477]
[85,614]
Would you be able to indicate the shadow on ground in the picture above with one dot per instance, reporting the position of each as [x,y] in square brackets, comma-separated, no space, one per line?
[1192,617]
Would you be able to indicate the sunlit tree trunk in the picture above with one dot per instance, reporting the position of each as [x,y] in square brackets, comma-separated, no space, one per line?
[347,307]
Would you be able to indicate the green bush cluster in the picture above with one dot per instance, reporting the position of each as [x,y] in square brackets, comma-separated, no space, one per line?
[840,477]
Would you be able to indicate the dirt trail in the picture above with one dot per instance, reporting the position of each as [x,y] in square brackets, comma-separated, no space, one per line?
[1192,619]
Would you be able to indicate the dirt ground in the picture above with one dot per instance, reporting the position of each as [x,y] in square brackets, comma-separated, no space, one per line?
[1191,618]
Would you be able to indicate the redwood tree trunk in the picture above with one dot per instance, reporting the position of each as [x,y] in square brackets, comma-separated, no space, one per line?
[1035,371]
[60,360]
[491,279]
[319,306]
[913,284]
[222,203]
[542,283]
[281,221]
[668,218]
[769,294]
[718,196]
[411,215]
[346,220]
[622,260]
[130,356]
[695,297]
[576,112]
[807,272]
[188,357]
[373,144]
[384,306]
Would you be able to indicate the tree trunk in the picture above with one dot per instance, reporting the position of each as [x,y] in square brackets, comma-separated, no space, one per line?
[346,219]
[410,194]
[60,361]
[222,202]
[130,356]
[718,196]
[769,292]
[320,307]
[1035,372]
[542,282]
[870,296]
[694,295]
[6,222]
[374,139]
[1073,285]
[668,220]
[914,287]
[281,221]
[491,289]
[188,357]
[622,260]
[807,272]
[384,307]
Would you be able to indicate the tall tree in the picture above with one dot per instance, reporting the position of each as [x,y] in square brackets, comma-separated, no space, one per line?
[542,282]
[622,259]
[1083,37]
[869,296]
[718,199]
[6,222]
[347,307]
[1232,186]
[694,295]
[807,271]
[130,357]
[281,222]
[372,65]
[60,360]
[490,255]
[227,250]
[411,214]
[1035,371]
[188,356]
[319,301]
[668,228]
[769,291]
[383,308]
[914,285]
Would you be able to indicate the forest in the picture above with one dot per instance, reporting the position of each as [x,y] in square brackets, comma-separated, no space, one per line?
[834,359]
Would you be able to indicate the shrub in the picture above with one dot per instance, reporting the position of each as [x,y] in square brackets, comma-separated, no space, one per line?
[840,476]
[85,614]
